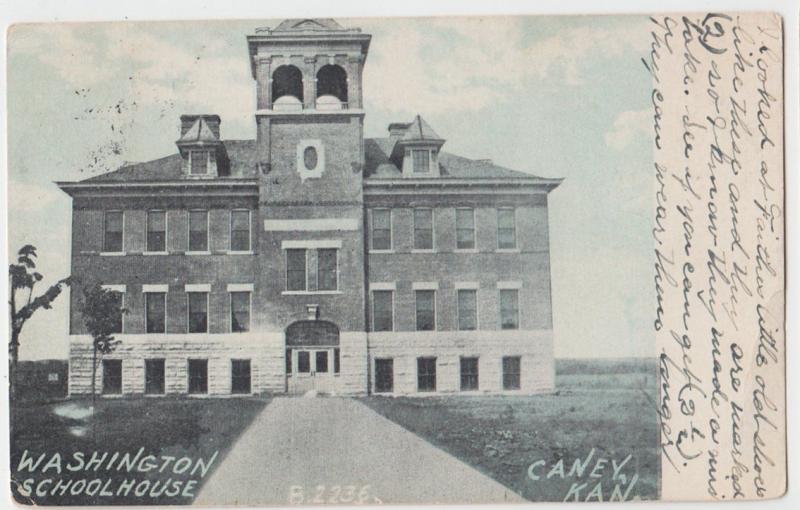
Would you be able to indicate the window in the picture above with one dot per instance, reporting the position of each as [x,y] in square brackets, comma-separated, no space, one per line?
[156,231]
[509,309]
[198,162]
[426,310]
[112,237]
[198,376]
[154,376]
[303,362]
[336,361]
[422,161]
[240,230]
[382,310]
[469,374]
[423,229]
[465,229]
[381,229]
[326,269]
[384,375]
[321,362]
[288,361]
[155,312]
[426,374]
[467,309]
[119,302]
[506,229]
[511,372]
[240,312]
[112,376]
[198,312]
[310,158]
[240,376]
[296,269]
[198,230]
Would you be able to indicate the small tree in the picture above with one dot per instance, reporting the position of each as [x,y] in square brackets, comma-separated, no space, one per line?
[23,277]
[102,314]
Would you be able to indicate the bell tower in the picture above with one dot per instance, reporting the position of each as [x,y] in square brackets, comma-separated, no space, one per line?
[309,108]
[310,158]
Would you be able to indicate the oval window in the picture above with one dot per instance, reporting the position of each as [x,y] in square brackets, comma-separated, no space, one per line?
[310,158]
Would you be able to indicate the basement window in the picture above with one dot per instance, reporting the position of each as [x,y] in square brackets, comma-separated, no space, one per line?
[112,377]
[240,376]
[198,376]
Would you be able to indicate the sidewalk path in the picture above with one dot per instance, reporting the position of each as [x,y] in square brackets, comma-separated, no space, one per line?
[321,445]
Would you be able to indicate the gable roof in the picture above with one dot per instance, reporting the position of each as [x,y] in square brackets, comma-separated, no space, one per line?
[379,165]
[243,165]
[241,154]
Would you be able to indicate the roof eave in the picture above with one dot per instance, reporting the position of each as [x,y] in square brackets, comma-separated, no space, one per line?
[72,188]
[546,184]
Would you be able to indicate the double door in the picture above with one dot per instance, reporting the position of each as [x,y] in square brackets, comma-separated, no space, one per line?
[310,368]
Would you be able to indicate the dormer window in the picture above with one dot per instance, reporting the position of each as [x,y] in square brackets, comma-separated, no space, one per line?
[198,162]
[417,150]
[421,161]
[202,152]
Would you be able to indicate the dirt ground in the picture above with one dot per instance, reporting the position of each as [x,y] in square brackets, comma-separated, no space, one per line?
[169,426]
[602,411]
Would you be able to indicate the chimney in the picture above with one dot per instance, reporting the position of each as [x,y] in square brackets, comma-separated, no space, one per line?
[398,129]
[211,120]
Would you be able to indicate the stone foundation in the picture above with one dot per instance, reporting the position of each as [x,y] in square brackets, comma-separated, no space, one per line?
[266,352]
[535,349]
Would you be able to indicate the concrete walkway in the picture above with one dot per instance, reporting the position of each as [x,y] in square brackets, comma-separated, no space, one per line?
[308,449]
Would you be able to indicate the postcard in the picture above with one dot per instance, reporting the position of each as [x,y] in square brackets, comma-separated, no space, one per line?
[299,262]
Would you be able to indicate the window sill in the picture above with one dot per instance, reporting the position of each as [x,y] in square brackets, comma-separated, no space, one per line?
[310,292]
[507,250]
[236,252]
[381,251]
[423,251]
[150,253]
[112,253]
[465,250]
[197,253]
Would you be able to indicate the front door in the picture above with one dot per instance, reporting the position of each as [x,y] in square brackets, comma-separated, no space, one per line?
[310,369]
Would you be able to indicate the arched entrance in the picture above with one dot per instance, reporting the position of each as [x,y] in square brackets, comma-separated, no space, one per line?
[312,356]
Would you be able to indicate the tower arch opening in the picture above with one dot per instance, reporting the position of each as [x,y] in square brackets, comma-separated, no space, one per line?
[287,88]
[331,87]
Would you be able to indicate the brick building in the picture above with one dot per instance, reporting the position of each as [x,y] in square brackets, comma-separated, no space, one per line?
[312,258]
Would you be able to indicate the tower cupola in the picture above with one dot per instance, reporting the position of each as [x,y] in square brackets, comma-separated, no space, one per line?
[308,64]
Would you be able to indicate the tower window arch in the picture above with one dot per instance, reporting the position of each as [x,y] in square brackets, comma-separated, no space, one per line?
[331,87]
[287,87]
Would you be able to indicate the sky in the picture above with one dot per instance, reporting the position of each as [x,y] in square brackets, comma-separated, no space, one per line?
[553,96]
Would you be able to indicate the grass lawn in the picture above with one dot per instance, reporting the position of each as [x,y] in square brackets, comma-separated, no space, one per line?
[608,406]
[177,427]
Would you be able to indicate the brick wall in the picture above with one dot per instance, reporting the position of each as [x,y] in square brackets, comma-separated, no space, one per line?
[175,269]
[529,264]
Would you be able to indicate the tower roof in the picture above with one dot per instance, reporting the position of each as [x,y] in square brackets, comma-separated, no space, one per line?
[295,37]
[308,24]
